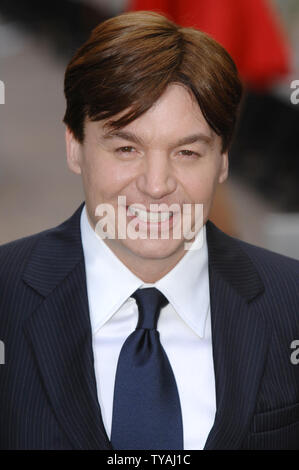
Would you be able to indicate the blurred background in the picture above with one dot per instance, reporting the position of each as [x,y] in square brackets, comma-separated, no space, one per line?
[259,203]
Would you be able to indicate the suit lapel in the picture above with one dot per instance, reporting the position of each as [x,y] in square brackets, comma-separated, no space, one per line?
[239,336]
[60,334]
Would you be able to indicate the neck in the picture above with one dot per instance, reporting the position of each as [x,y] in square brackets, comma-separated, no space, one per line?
[149,270]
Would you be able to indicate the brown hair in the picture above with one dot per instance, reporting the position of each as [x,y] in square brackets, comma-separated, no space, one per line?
[129,60]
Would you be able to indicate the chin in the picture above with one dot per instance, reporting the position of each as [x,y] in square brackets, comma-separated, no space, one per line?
[156,249]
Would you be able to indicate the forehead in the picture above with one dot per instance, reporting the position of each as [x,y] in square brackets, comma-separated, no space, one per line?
[176,109]
[175,114]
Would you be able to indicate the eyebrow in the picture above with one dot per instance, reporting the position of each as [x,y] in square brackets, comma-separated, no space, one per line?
[131,137]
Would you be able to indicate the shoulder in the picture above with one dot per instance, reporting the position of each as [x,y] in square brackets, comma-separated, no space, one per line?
[269,261]
[273,278]
[279,273]
[30,266]
[280,276]
[15,296]
[249,264]
[264,260]
[14,254]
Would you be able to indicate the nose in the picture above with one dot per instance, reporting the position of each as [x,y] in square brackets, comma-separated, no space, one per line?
[156,180]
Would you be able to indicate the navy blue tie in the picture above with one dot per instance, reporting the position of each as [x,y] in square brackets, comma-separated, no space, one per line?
[146,406]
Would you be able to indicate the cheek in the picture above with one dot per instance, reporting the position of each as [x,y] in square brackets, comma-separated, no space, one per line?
[200,185]
[105,178]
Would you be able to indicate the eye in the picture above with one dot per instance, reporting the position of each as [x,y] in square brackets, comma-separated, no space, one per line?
[189,153]
[126,149]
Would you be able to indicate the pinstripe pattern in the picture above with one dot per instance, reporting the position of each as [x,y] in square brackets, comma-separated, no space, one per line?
[48,396]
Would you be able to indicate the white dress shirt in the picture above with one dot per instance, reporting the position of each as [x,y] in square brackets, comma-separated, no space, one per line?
[184,325]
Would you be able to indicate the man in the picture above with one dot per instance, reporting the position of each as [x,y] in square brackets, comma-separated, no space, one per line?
[146,339]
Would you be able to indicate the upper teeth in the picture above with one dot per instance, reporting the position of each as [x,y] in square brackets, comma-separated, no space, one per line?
[145,216]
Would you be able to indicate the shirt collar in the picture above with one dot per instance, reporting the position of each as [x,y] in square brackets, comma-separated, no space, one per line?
[186,286]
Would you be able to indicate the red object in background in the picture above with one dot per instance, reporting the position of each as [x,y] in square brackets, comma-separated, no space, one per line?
[248,29]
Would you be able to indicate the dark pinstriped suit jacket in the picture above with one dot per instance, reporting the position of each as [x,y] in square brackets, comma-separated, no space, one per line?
[48,397]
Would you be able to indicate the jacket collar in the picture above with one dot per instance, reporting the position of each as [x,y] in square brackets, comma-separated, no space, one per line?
[229,260]
[56,271]
[240,337]
[60,334]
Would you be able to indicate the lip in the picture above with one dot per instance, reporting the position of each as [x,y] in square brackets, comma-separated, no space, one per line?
[147,209]
[146,225]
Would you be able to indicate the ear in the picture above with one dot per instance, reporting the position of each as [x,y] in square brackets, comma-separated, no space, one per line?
[223,170]
[73,152]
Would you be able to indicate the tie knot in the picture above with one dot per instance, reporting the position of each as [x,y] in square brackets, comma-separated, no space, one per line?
[150,301]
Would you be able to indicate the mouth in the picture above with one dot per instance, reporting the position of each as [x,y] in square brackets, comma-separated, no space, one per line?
[152,217]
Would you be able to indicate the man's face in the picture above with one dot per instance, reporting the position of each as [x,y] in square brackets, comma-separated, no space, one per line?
[168,155]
